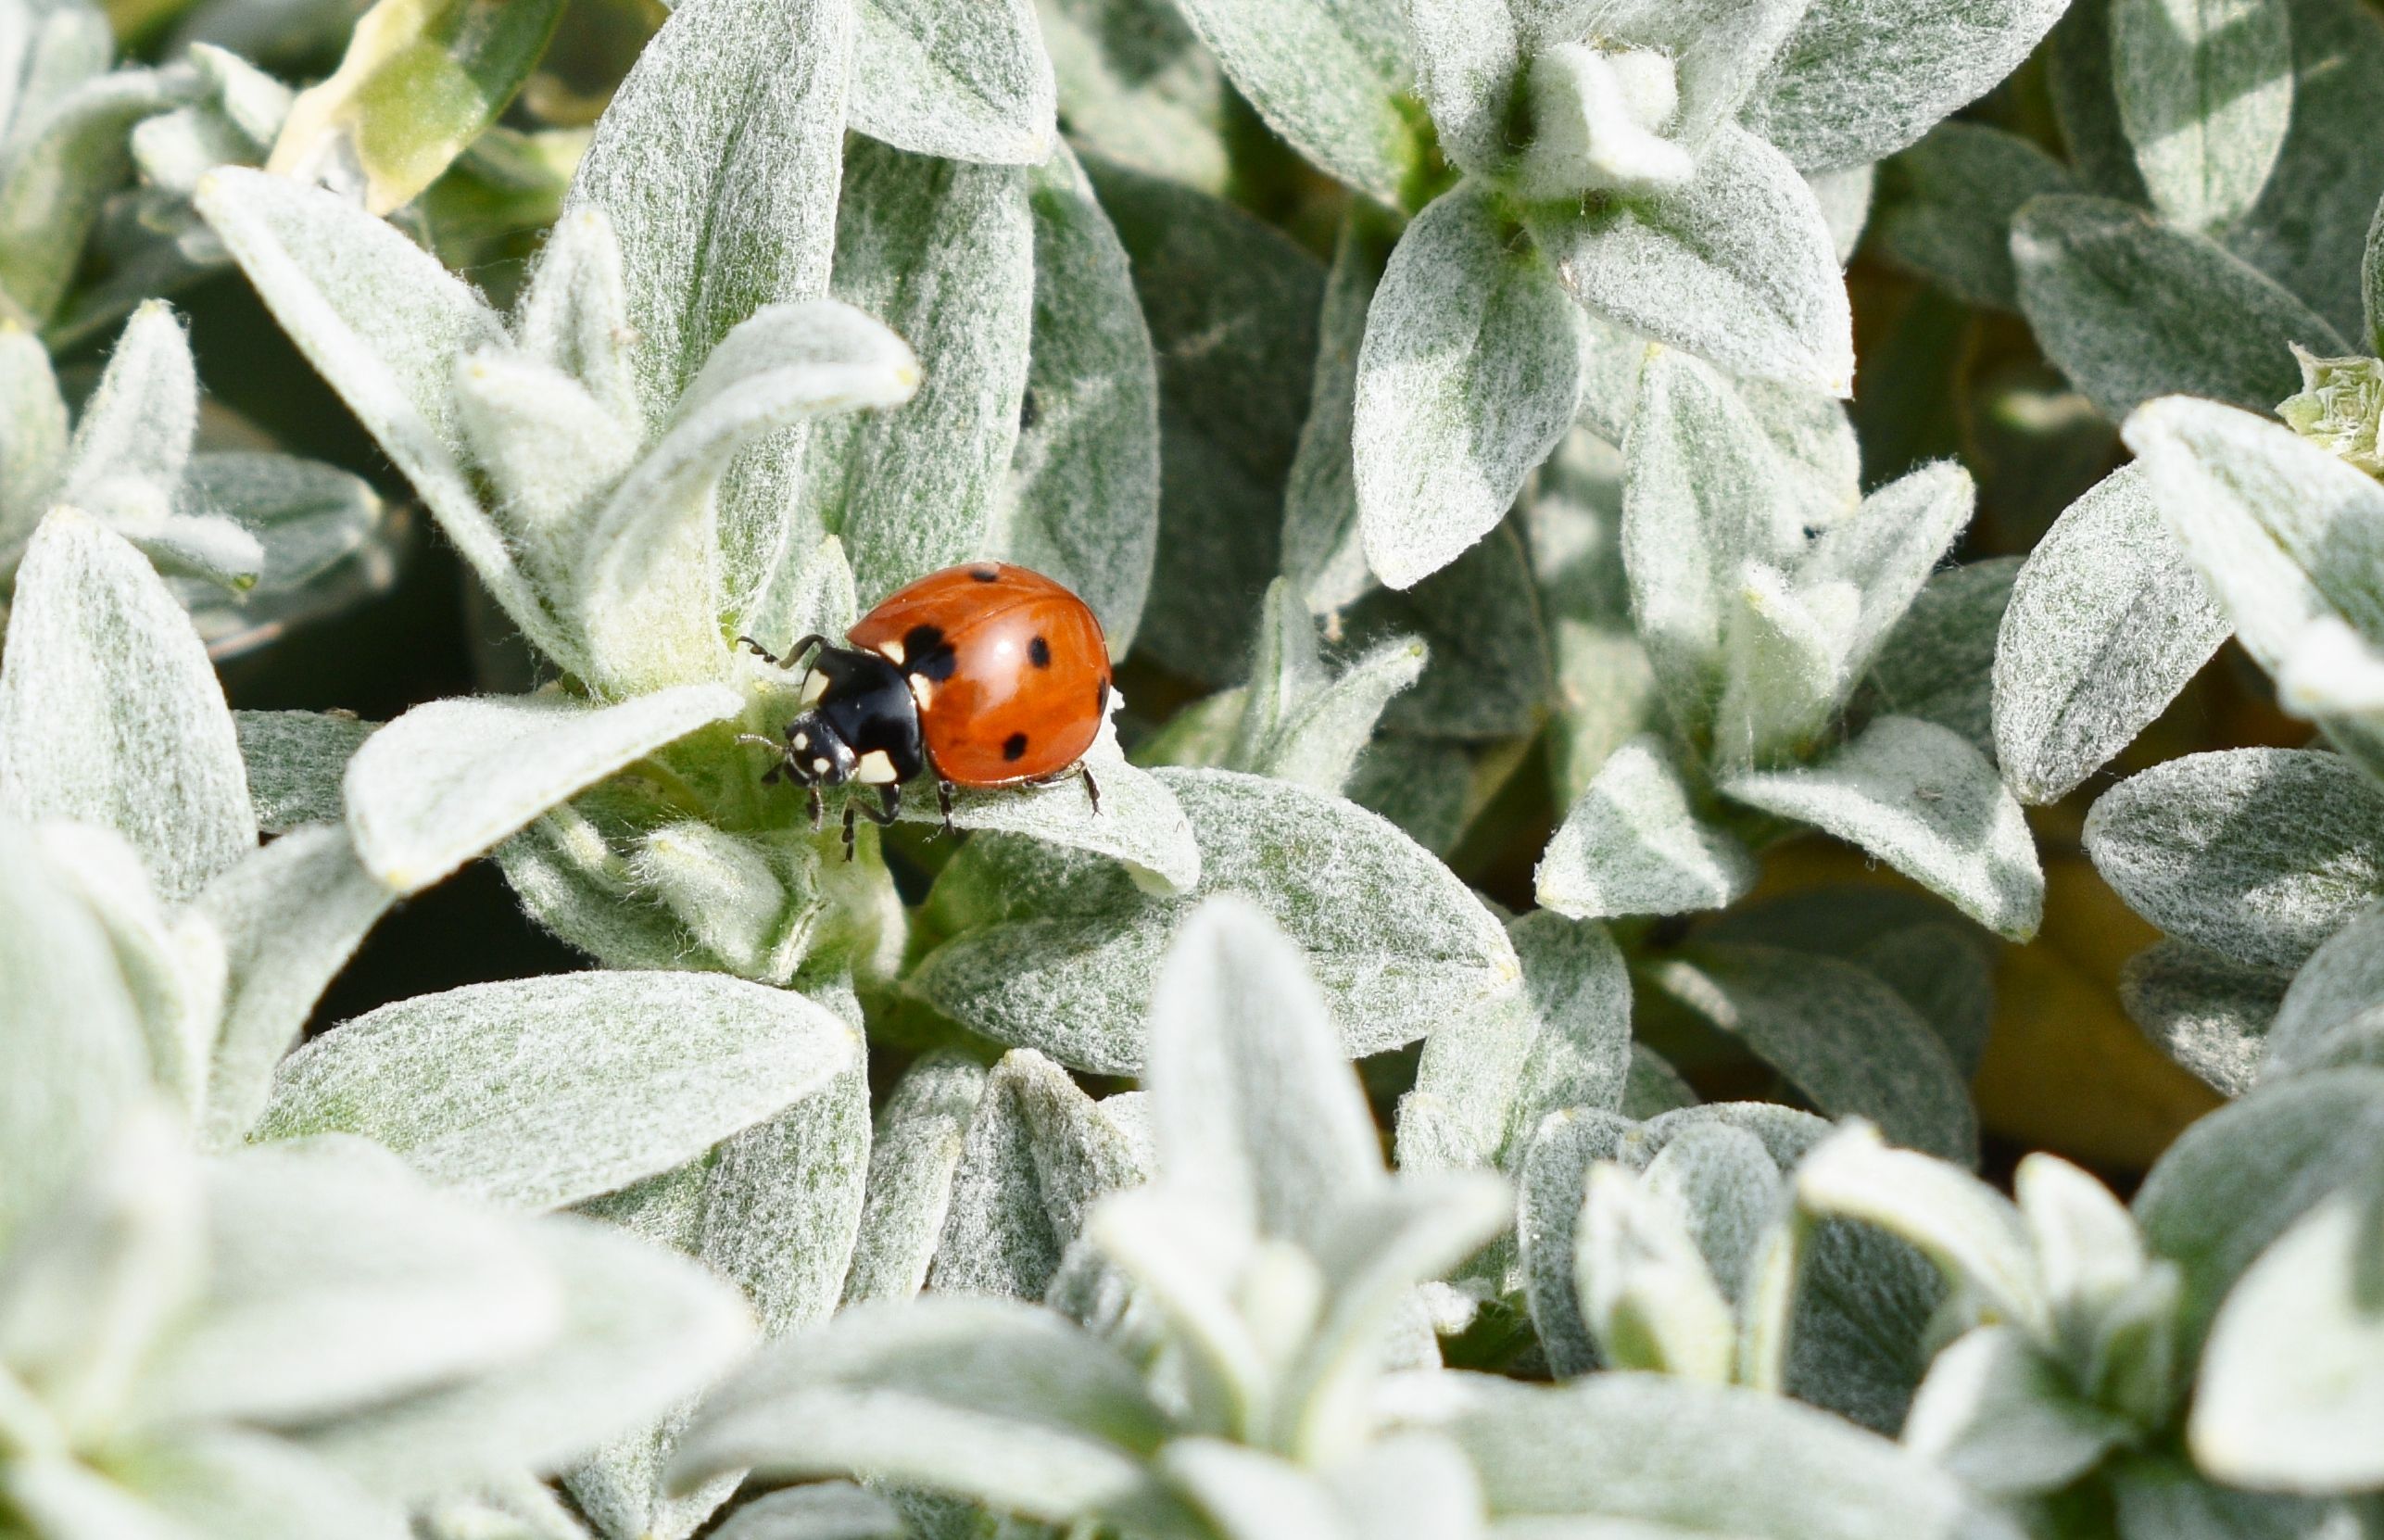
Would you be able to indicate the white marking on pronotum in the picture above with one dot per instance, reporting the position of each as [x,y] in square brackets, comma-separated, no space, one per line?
[819,767]
[813,687]
[892,649]
[803,740]
[923,690]
[874,769]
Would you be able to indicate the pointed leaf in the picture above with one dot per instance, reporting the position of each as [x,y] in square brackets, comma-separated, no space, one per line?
[1082,503]
[1471,370]
[2107,622]
[2130,308]
[2206,95]
[1634,845]
[544,1092]
[1921,798]
[968,82]
[447,781]
[110,713]
[1736,265]
[1847,1040]
[1326,75]
[2259,854]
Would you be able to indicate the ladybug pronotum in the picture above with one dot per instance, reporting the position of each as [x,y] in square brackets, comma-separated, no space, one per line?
[985,674]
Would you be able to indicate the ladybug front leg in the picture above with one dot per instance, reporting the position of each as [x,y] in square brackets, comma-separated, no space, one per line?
[943,802]
[1092,787]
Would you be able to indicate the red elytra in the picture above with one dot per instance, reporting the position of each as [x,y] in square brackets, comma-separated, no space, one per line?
[1010,670]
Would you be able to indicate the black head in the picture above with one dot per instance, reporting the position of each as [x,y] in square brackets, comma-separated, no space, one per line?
[861,725]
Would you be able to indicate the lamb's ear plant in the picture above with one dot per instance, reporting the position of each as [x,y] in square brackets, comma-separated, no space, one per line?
[587,460]
[1619,171]
[248,539]
[1275,1264]
[2187,1367]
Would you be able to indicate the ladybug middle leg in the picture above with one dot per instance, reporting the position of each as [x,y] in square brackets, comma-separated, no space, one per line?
[890,803]
[943,802]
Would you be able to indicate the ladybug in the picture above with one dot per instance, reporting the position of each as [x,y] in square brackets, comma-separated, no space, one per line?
[984,675]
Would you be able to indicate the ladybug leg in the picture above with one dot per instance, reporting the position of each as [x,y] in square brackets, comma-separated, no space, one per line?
[778,751]
[819,813]
[794,654]
[943,804]
[1092,787]
[850,809]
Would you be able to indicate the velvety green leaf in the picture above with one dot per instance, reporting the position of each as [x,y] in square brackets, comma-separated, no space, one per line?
[337,1280]
[1847,1040]
[1550,1180]
[110,713]
[2283,532]
[1885,547]
[914,1158]
[1938,663]
[2107,622]
[1326,75]
[969,81]
[1082,504]
[447,781]
[1232,307]
[65,155]
[2205,94]
[996,1400]
[2167,1500]
[1860,78]
[2130,308]
[823,1511]
[1683,1458]
[775,1211]
[73,1027]
[2237,1180]
[1323,553]
[1635,845]
[1971,1232]
[1486,675]
[2210,1015]
[1137,87]
[1737,266]
[1921,798]
[1458,401]
[1702,498]
[1068,963]
[224,1482]
[1255,1109]
[103,1275]
[942,252]
[2258,855]
[2295,1364]
[1958,191]
[291,915]
[641,1331]
[1038,1153]
[1139,823]
[1646,1291]
[718,164]
[544,1092]
[2333,1014]
[2306,229]
[381,319]
[2005,1418]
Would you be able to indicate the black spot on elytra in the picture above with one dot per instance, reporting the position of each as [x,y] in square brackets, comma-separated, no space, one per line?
[1028,412]
[984,573]
[1039,652]
[925,652]
[1015,747]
